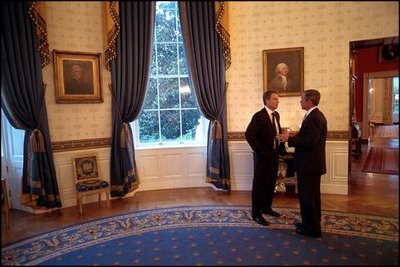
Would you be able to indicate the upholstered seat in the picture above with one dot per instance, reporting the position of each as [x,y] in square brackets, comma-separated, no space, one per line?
[87,180]
[91,185]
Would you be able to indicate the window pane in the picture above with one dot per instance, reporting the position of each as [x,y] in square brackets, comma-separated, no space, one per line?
[169,93]
[151,100]
[190,121]
[187,98]
[396,95]
[167,59]
[153,67]
[148,127]
[182,60]
[170,125]
[179,33]
[166,5]
[165,25]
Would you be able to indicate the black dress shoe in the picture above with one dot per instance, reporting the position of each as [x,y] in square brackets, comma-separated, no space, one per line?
[304,231]
[260,220]
[273,213]
[299,225]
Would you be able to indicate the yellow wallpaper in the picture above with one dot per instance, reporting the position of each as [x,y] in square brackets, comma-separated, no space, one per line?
[76,26]
[324,29]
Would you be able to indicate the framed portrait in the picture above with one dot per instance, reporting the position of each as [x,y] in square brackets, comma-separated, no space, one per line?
[77,77]
[283,71]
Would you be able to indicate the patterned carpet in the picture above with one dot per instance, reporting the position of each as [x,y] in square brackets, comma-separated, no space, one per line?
[387,131]
[382,160]
[211,235]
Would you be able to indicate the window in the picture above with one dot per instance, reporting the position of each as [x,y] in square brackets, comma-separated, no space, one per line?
[170,115]
[396,95]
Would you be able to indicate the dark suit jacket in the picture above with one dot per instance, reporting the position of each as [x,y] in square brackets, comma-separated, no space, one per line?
[260,134]
[309,143]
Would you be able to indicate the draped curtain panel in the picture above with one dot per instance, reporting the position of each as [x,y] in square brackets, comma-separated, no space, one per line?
[23,102]
[129,78]
[205,55]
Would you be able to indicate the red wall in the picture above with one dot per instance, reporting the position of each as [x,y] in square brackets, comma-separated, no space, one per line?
[367,60]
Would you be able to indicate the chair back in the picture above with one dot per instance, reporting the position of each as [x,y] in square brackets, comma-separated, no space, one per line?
[86,169]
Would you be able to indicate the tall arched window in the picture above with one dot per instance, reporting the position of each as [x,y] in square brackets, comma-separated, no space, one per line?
[170,115]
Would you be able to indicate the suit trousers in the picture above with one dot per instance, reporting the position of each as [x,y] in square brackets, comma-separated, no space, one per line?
[264,181]
[310,200]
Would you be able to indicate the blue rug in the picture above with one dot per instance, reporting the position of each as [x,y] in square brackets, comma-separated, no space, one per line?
[211,235]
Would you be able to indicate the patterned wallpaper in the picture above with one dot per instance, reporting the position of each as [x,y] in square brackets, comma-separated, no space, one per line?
[77,26]
[324,29]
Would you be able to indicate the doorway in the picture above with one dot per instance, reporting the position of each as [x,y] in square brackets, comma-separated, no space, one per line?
[12,156]
[371,98]
[381,98]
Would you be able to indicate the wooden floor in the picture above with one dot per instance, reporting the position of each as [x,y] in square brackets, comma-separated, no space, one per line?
[369,193]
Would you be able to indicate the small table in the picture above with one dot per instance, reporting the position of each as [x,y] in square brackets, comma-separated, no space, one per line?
[286,174]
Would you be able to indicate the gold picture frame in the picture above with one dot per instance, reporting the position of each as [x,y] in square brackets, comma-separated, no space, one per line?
[77,77]
[293,59]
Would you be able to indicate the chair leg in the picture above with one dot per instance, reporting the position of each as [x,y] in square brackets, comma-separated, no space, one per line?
[80,205]
[77,200]
[108,198]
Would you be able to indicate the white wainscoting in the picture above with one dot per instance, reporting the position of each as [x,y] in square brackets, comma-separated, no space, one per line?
[185,167]
[157,169]
[168,168]
[335,181]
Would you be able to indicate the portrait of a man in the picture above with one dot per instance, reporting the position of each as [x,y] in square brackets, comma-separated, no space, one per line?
[282,82]
[78,77]
[283,71]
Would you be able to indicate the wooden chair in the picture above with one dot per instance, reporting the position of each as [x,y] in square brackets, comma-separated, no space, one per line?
[87,180]
[5,202]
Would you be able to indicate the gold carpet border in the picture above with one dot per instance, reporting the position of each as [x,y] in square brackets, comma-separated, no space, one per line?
[34,250]
[70,145]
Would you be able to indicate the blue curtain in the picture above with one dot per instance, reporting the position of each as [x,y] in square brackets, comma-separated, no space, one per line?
[204,51]
[129,77]
[23,102]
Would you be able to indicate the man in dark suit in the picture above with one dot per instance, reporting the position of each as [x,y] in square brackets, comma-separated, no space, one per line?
[309,162]
[262,136]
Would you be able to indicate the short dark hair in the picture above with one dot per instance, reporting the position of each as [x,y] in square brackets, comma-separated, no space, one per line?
[267,95]
[313,95]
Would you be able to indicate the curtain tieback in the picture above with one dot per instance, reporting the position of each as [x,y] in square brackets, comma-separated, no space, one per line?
[37,141]
[216,130]
[125,137]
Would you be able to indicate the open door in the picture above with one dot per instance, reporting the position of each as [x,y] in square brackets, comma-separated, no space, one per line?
[12,157]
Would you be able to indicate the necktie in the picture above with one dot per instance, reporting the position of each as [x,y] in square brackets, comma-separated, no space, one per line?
[275,130]
[305,116]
